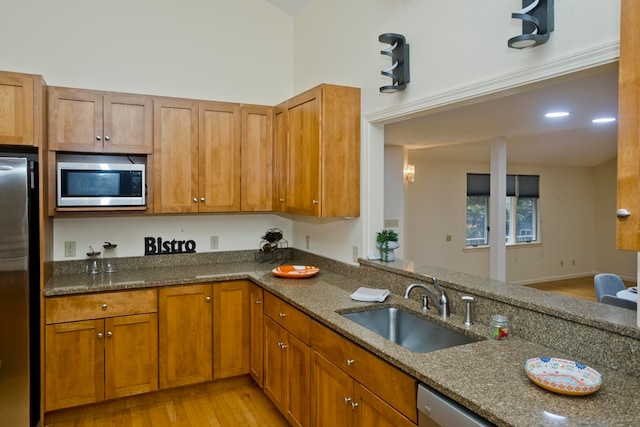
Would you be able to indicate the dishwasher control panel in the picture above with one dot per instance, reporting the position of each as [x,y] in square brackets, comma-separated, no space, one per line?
[437,410]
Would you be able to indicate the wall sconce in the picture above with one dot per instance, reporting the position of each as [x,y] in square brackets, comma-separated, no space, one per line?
[537,24]
[398,72]
[409,173]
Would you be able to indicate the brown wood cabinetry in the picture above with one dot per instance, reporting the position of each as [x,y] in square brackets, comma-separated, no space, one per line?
[346,393]
[287,359]
[323,175]
[99,122]
[185,334]
[280,147]
[197,156]
[231,329]
[628,229]
[256,312]
[21,112]
[256,190]
[100,347]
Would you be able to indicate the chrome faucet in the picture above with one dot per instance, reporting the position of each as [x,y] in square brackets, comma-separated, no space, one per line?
[441,303]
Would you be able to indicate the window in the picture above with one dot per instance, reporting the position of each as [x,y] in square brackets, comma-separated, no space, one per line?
[521,205]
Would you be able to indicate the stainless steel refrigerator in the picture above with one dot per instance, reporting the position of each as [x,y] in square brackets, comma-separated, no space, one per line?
[19,294]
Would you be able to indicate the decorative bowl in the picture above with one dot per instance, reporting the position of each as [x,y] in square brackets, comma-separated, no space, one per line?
[295,271]
[563,376]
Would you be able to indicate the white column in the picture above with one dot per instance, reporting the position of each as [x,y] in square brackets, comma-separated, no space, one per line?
[372,183]
[497,209]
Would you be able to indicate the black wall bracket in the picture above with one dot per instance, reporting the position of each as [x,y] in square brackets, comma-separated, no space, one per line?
[537,23]
[398,72]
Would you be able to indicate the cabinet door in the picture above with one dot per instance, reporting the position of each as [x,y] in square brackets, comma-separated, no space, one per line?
[74,364]
[231,329]
[257,333]
[298,381]
[219,161]
[280,156]
[75,120]
[332,394]
[628,230]
[175,156]
[371,411]
[303,177]
[274,364]
[185,334]
[16,109]
[256,193]
[131,355]
[128,123]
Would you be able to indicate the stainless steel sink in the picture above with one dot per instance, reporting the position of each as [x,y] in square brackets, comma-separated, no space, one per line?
[408,330]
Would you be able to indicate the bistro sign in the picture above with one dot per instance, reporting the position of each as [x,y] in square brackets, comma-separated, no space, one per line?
[157,246]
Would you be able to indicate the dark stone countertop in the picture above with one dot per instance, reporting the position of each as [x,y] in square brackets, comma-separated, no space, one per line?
[486,377]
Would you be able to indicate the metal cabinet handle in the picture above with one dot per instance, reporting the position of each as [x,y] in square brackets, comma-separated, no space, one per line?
[104,306]
[282,314]
[195,200]
[350,362]
[354,405]
[208,299]
[98,138]
[202,199]
[99,335]
[623,214]
[106,138]
[281,200]
[315,202]
[258,301]
[347,400]
[109,334]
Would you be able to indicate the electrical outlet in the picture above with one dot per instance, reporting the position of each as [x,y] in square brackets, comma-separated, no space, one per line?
[355,254]
[448,237]
[69,249]
[307,241]
[214,242]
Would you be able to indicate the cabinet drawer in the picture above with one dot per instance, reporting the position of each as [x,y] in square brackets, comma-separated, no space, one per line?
[290,318]
[100,305]
[388,382]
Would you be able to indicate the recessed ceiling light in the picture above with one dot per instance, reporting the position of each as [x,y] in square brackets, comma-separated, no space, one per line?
[604,120]
[557,114]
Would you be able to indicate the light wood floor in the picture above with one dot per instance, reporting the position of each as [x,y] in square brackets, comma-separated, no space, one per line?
[580,287]
[224,403]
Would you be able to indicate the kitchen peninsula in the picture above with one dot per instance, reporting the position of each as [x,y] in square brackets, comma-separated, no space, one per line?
[487,376]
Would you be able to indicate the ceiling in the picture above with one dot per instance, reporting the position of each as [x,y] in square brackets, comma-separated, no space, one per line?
[465,133]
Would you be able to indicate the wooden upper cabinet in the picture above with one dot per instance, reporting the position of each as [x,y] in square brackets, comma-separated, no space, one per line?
[20,113]
[99,122]
[219,162]
[323,175]
[280,148]
[175,156]
[256,194]
[628,229]
[196,156]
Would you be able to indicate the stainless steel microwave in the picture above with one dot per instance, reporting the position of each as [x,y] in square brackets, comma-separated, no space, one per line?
[100,184]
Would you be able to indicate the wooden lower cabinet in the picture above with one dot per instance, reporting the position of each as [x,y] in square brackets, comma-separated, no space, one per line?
[231,329]
[185,334]
[352,387]
[256,359]
[93,360]
[287,360]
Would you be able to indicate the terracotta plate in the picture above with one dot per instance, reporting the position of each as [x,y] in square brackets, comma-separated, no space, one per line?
[295,271]
[563,376]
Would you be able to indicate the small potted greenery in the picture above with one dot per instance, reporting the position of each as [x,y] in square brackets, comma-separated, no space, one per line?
[387,241]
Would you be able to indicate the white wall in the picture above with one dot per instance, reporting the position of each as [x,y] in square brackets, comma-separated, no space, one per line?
[249,51]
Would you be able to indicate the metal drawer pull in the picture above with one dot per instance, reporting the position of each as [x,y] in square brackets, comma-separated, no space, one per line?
[104,306]
[258,301]
[282,314]
[106,138]
[623,213]
[347,400]
[109,334]
[208,299]
[354,405]
[350,362]
[99,335]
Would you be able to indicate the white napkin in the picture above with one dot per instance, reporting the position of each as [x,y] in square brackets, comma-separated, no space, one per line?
[370,295]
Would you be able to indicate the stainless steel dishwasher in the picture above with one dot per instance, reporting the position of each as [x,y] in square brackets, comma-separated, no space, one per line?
[437,410]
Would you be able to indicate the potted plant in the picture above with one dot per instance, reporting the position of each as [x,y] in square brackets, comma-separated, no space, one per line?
[387,241]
